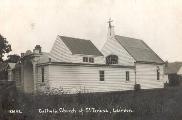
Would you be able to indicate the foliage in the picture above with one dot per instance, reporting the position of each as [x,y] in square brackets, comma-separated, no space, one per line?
[51,91]
[5,47]
[13,58]
[137,87]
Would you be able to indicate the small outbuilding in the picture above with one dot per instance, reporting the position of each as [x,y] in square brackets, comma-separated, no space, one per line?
[174,71]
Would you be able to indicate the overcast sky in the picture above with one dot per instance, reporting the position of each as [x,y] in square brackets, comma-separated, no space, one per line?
[158,22]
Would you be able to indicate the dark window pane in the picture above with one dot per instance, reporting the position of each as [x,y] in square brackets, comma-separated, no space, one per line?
[112,59]
[101,75]
[158,75]
[91,60]
[127,76]
[42,71]
[85,59]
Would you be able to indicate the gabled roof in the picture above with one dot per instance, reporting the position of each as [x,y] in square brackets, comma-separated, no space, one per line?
[174,67]
[80,46]
[140,51]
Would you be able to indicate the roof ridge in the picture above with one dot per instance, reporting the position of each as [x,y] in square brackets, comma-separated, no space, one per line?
[130,37]
[74,37]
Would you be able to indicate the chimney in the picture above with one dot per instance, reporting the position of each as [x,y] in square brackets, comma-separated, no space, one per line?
[37,49]
[22,54]
[110,29]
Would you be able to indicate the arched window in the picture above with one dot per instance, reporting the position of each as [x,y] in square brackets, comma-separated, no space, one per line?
[112,59]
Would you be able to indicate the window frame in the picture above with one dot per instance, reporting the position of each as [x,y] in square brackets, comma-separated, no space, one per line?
[158,73]
[42,75]
[112,59]
[127,75]
[85,59]
[91,60]
[102,75]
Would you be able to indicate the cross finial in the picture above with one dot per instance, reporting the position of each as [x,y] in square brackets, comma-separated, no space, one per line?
[110,22]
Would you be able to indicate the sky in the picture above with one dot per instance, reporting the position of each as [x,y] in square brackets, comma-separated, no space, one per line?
[157,22]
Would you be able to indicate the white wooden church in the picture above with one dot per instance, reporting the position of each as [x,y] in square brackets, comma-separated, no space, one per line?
[75,64]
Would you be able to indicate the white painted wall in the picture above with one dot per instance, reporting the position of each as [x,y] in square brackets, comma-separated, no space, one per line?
[79,59]
[87,78]
[39,84]
[113,47]
[60,52]
[180,71]
[146,76]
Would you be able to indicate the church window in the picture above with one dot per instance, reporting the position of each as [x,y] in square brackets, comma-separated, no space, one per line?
[101,73]
[112,59]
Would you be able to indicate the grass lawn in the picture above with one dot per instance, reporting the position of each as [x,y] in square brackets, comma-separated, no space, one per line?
[157,104]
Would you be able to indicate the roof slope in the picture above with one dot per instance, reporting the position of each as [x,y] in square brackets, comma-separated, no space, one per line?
[140,51]
[80,46]
[173,67]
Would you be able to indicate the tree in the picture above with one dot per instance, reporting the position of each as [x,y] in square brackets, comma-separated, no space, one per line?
[13,58]
[5,47]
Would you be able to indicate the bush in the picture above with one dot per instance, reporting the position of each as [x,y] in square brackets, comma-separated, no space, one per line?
[137,87]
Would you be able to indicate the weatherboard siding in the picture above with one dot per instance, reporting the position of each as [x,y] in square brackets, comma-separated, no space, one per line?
[86,79]
[39,84]
[113,47]
[79,59]
[60,52]
[146,76]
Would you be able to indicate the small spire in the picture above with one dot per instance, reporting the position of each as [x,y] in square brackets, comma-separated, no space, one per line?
[110,26]
[110,22]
